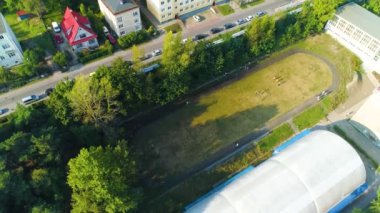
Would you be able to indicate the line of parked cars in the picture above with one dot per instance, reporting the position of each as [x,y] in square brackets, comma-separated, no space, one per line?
[226,26]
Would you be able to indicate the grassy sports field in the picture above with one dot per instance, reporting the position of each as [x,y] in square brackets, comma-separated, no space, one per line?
[189,135]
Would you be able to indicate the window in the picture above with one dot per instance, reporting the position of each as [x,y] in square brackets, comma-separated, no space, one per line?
[120,19]
[162,2]
[163,16]
[373,46]
[11,55]
[186,8]
[82,35]
[122,33]
[1,36]
[91,41]
[334,21]
[79,45]
[135,13]
[342,25]
[163,9]
[181,10]
[365,40]
[169,14]
[2,57]
[168,1]
[357,34]
[350,28]
[181,3]
[6,46]
[138,27]
[169,8]
[121,26]
[136,20]
[187,2]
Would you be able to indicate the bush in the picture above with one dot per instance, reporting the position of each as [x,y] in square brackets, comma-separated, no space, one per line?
[136,38]
[60,58]
[86,57]
[175,28]
[225,9]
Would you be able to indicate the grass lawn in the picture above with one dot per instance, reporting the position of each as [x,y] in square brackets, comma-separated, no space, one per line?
[215,120]
[175,28]
[309,117]
[225,9]
[251,4]
[30,33]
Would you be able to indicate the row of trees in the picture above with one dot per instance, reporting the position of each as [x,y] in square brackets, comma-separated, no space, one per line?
[74,133]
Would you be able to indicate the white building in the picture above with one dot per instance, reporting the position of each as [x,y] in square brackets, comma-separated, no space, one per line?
[165,10]
[10,49]
[313,175]
[358,30]
[123,16]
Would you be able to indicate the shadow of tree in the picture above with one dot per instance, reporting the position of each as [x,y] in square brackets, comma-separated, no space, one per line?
[172,146]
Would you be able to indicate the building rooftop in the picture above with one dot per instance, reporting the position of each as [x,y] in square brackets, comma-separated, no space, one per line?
[313,175]
[119,6]
[361,18]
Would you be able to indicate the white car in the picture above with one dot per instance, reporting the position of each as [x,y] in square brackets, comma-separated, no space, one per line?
[197,18]
[249,18]
[157,52]
[105,30]
[30,99]
[56,27]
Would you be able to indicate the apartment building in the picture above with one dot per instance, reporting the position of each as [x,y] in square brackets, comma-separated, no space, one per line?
[357,29]
[10,48]
[123,16]
[165,10]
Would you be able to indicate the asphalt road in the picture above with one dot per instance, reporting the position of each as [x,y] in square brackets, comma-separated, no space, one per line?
[10,99]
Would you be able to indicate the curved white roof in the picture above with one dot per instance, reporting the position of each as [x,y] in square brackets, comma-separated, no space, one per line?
[312,175]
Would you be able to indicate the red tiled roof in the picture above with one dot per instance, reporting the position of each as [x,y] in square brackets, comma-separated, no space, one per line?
[21,12]
[74,21]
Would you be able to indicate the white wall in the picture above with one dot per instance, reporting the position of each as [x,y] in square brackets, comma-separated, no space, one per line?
[10,39]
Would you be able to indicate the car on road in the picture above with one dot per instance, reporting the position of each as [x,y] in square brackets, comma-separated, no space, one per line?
[249,18]
[30,99]
[261,13]
[3,111]
[48,91]
[197,18]
[199,37]
[216,30]
[56,27]
[157,52]
[146,57]
[229,26]
[241,21]
[58,39]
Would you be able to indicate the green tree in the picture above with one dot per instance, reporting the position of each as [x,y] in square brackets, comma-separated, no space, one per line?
[5,75]
[34,6]
[136,58]
[373,5]
[94,101]
[375,204]
[102,180]
[261,35]
[34,56]
[60,58]
[59,102]
[323,10]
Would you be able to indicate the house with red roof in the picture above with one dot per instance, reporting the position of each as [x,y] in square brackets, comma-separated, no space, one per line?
[78,32]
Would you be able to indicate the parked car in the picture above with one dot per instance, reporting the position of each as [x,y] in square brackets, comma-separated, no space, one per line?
[261,13]
[197,18]
[105,30]
[249,18]
[58,39]
[48,91]
[216,30]
[3,111]
[157,52]
[229,26]
[111,39]
[146,56]
[56,27]
[241,21]
[30,99]
[199,37]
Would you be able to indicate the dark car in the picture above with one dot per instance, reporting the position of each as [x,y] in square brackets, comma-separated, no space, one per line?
[241,21]
[48,91]
[145,57]
[229,26]
[261,13]
[199,37]
[216,30]
[111,39]
[58,39]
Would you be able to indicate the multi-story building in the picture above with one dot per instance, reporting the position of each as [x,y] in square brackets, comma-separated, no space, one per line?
[78,32]
[123,16]
[358,29]
[165,10]
[10,48]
